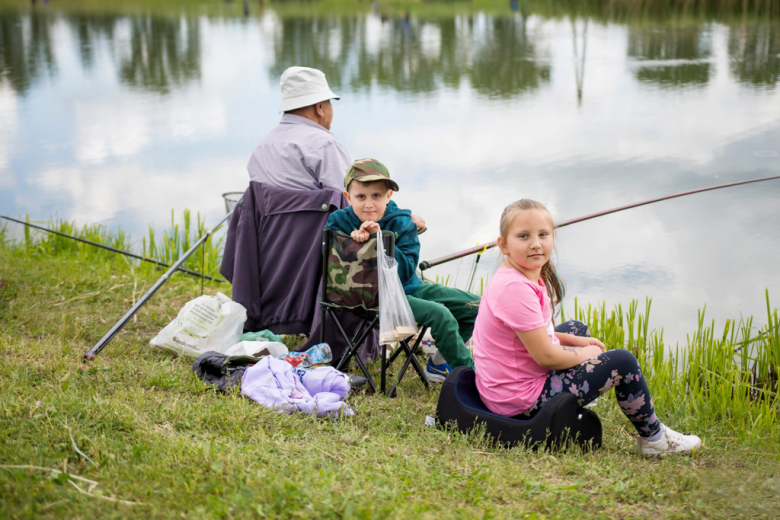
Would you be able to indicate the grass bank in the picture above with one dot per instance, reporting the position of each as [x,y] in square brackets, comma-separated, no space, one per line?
[135,434]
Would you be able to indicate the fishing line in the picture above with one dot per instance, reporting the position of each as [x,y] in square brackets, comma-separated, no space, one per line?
[427,264]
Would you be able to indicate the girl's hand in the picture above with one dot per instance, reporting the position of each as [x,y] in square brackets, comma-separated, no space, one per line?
[571,352]
[593,350]
[570,340]
[595,342]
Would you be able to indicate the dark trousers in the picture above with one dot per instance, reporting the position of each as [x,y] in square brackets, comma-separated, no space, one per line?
[618,369]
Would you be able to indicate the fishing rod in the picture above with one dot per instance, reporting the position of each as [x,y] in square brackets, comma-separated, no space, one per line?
[427,264]
[100,345]
[113,249]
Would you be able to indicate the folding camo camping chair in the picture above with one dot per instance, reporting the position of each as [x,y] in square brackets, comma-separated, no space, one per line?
[350,282]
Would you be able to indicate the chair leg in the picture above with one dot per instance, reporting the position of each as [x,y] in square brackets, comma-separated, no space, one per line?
[383,367]
[420,371]
[354,343]
[400,375]
[418,368]
[359,331]
[394,355]
[411,357]
[352,349]
[420,334]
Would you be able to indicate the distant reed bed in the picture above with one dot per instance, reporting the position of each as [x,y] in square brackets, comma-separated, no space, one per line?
[720,378]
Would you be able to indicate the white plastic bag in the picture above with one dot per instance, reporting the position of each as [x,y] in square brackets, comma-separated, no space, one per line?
[250,348]
[205,323]
[396,321]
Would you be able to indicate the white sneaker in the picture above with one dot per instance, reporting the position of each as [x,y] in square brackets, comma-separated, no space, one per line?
[670,442]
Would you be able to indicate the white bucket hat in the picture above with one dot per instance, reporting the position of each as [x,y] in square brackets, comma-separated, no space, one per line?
[302,86]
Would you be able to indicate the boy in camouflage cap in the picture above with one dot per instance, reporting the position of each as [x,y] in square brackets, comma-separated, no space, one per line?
[450,313]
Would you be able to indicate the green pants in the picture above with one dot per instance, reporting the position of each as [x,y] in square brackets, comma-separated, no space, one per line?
[450,313]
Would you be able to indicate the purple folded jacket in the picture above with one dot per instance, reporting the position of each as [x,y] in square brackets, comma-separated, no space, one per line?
[276,385]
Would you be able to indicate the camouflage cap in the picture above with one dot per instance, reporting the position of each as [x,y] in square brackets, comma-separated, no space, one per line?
[368,170]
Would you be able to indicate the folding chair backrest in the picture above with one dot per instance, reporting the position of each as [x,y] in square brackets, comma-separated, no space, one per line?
[350,270]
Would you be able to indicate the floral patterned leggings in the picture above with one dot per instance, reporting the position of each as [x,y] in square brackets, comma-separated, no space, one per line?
[618,369]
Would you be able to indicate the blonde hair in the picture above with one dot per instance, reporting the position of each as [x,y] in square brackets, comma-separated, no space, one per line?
[556,288]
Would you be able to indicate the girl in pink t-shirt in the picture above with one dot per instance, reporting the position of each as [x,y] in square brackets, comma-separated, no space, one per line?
[521,361]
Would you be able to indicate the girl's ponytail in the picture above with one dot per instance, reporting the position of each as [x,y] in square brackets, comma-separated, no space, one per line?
[556,288]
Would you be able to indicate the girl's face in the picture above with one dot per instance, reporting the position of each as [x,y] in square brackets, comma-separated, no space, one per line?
[529,242]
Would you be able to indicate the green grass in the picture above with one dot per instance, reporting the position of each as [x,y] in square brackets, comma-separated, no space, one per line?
[165,446]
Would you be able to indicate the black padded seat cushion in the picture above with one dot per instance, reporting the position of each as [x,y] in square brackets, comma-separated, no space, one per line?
[560,420]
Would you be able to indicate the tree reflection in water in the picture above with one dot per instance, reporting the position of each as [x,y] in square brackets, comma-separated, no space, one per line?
[499,56]
[679,55]
[164,52]
[89,30]
[494,54]
[26,49]
[754,51]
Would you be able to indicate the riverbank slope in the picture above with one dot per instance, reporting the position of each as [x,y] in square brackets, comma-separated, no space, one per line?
[159,443]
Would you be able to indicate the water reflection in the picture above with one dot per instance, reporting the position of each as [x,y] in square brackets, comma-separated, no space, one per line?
[495,55]
[88,30]
[506,63]
[498,56]
[755,54]
[679,55]
[163,53]
[26,49]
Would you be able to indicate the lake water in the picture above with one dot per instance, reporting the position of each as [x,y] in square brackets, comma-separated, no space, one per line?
[118,118]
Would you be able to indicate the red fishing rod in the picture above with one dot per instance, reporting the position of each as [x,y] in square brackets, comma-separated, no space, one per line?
[427,264]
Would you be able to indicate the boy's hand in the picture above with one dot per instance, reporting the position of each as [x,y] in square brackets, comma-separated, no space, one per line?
[367,229]
[420,222]
[371,227]
[359,235]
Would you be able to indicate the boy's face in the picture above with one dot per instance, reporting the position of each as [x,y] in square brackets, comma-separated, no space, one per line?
[368,201]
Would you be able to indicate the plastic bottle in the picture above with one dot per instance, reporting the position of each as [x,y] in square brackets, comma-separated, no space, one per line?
[295,358]
[319,354]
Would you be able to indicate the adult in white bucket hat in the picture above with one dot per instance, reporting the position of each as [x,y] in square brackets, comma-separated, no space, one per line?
[304,87]
[301,153]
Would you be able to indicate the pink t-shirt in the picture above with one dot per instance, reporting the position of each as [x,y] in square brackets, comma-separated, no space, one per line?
[508,379]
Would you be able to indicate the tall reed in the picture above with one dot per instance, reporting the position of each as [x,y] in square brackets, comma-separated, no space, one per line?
[169,248]
[178,239]
[729,378]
